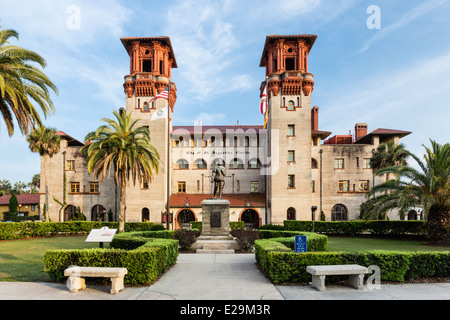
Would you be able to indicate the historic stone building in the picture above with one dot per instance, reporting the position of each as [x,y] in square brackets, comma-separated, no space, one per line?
[274,173]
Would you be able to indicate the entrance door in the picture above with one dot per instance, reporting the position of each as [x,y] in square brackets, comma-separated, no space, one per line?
[250,218]
[185,216]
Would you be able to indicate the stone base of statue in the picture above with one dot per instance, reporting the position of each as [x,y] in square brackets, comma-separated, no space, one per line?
[215,217]
[215,237]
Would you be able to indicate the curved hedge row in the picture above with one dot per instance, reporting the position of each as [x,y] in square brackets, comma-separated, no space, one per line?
[145,258]
[281,264]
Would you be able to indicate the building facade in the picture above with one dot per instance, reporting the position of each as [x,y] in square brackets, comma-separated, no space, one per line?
[274,172]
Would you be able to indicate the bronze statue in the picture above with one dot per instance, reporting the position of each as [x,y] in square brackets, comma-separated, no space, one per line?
[218,178]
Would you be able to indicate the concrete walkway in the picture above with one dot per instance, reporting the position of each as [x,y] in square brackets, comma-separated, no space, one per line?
[220,277]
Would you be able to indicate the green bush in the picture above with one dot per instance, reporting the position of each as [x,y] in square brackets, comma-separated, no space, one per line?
[357,227]
[21,230]
[281,264]
[144,263]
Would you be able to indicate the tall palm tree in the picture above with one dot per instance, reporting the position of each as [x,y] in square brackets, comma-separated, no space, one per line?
[5,185]
[428,187]
[46,142]
[388,154]
[125,148]
[21,85]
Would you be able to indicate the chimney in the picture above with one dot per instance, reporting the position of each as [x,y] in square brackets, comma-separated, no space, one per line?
[360,130]
[315,118]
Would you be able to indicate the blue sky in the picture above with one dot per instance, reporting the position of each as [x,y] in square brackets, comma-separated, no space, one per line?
[394,77]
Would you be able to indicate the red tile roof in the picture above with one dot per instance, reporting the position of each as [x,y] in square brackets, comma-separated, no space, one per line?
[236,200]
[384,134]
[24,198]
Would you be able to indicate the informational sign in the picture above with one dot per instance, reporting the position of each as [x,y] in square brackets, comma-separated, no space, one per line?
[300,244]
[101,235]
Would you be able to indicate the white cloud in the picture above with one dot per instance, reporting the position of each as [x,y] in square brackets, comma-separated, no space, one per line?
[411,15]
[413,99]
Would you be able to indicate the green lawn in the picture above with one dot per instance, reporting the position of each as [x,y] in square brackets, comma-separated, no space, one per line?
[359,244]
[21,260]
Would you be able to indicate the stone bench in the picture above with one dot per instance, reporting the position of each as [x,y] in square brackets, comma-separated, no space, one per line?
[356,274]
[76,276]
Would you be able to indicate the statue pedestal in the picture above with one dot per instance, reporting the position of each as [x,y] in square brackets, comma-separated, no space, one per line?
[215,237]
[215,217]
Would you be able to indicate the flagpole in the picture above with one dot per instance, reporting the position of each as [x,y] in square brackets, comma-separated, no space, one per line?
[168,156]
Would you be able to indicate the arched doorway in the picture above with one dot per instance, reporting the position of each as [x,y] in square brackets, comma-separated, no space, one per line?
[69,212]
[250,218]
[98,213]
[184,216]
[412,215]
[339,212]
[145,214]
[290,213]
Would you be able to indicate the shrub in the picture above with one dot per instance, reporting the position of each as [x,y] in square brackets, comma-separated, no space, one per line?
[352,228]
[13,230]
[245,237]
[281,264]
[186,238]
[144,263]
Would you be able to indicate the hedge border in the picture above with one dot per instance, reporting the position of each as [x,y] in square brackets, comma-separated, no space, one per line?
[358,227]
[22,230]
[148,258]
[281,264]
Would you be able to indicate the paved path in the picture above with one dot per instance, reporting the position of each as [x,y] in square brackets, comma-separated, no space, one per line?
[220,277]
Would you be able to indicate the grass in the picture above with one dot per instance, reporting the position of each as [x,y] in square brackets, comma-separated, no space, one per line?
[21,260]
[360,244]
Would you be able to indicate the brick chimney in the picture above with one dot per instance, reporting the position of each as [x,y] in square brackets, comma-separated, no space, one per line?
[360,130]
[315,118]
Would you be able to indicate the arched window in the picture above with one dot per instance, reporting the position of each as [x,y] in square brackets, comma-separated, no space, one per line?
[200,164]
[339,213]
[314,163]
[236,164]
[254,163]
[290,213]
[69,212]
[182,164]
[145,214]
[98,213]
[291,106]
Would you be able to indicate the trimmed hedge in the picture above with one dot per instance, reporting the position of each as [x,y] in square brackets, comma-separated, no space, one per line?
[21,230]
[145,262]
[314,241]
[356,227]
[281,264]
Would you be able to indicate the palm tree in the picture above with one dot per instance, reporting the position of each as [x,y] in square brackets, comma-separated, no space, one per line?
[21,84]
[46,142]
[428,187]
[388,154]
[5,185]
[124,148]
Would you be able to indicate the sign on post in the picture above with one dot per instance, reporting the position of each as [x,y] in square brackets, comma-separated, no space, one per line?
[300,244]
[104,234]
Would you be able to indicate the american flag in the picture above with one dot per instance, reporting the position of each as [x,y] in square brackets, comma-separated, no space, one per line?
[164,94]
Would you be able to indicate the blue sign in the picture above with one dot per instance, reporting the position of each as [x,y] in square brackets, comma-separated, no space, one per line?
[300,244]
